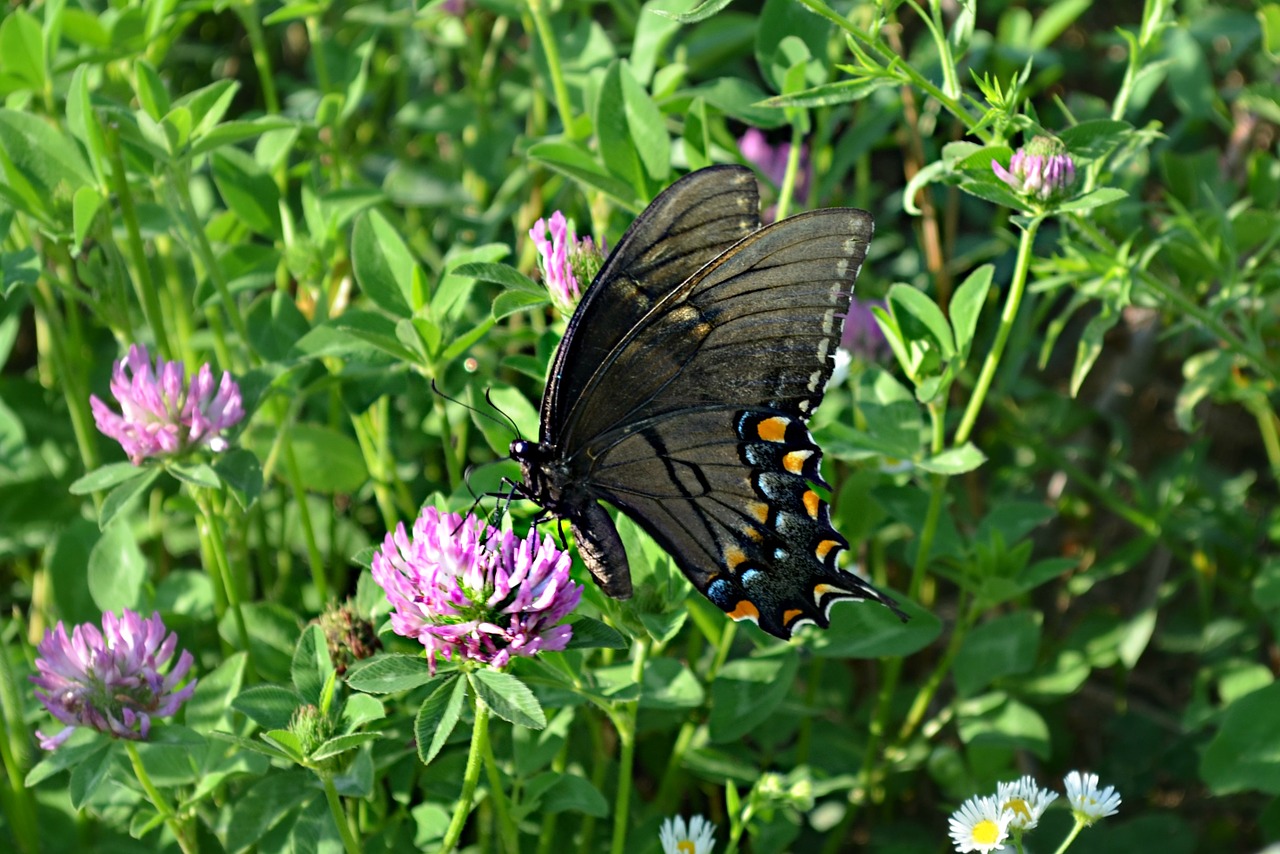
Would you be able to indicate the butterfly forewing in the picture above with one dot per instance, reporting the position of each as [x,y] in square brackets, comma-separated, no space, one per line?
[688,225]
[757,327]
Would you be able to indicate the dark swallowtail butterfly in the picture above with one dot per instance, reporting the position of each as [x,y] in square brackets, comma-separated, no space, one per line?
[680,395]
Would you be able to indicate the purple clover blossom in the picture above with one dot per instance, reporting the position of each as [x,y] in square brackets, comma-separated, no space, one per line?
[458,586]
[771,160]
[110,680]
[565,261]
[1041,169]
[160,414]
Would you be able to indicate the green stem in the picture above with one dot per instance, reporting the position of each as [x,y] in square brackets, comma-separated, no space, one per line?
[1071,837]
[186,841]
[349,842]
[67,380]
[144,285]
[626,761]
[889,64]
[788,188]
[211,533]
[15,754]
[180,186]
[506,825]
[1016,290]
[470,778]
[314,558]
[552,52]
[252,20]
[1257,405]
[931,685]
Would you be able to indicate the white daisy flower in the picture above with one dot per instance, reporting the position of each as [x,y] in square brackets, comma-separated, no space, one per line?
[1025,800]
[980,825]
[1087,802]
[697,837]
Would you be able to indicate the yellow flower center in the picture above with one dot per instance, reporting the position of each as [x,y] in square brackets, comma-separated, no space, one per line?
[685,846]
[1018,807]
[986,832]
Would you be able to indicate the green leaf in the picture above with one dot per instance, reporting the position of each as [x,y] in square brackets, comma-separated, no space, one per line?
[330,462]
[269,706]
[343,743]
[85,204]
[150,89]
[831,94]
[117,569]
[356,330]
[437,717]
[264,804]
[43,156]
[699,13]
[1241,757]
[196,474]
[954,461]
[909,303]
[311,664]
[500,274]
[593,634]
[508,303]
[118,499]
[998,721]
[232,132]
[1002,646]
[65,566]
[613,133]
[240,470]
[1092,140]
[646,126]
[556,793]
[249,192]
[870,630]
[1089,347]
[22,50]
[966,306]
[568,159]
[747,691]
[83,748]
[1096,199]
[210,706]
[508,697]
[383,265]
[105,477]
[1269,19]
[389,674]
[89,775]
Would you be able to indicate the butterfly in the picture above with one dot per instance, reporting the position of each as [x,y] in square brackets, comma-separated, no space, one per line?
[681,391]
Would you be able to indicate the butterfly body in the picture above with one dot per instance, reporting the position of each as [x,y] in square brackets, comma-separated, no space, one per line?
[680,395]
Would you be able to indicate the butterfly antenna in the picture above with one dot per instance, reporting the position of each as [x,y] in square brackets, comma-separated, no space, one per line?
[435,388]
[489,399]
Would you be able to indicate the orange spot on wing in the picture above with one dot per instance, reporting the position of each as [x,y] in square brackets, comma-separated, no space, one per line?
[733,557]
[788,616]
[744,610]
[754,534]
[812,503]
[759,510]
[794,461]
[772,429]
[820,590]
[824,548]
